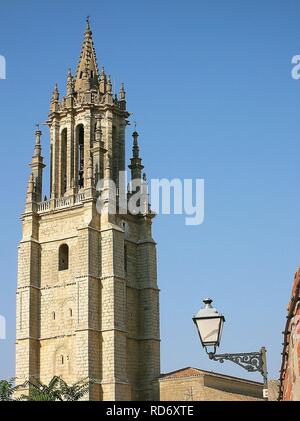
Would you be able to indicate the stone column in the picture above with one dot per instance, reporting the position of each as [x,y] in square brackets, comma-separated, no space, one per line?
[149,314]
[115,383]
[28,302]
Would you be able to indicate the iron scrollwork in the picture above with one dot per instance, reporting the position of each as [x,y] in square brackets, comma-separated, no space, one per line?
[251,361]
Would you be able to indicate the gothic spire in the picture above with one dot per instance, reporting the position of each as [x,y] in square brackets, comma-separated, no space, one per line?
[122,92]
[37,164]
[87,69]
[102,84]
[109,85]
[135,148]
[136,166]
[54,99]
[37,148]
[70,84]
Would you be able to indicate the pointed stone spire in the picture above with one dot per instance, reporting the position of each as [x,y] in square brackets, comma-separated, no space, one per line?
[109,85]
[122,93]
[145,195]
[102,84]
[109,95]
[37,148]
[54,99]
[135,149]
[88,26]
[136,166]
[122,103]
[70,83]
[55,95]
[37,165]
[87,70]
[69,100]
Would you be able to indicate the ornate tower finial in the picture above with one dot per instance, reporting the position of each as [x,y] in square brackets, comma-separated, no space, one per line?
[87,68]
[70,83]
[88,26]
[109,85]
[38,134]
[122,92]
[136,166]
[102,84]
[55,94]
[135,149]
[37,165]
[54,99]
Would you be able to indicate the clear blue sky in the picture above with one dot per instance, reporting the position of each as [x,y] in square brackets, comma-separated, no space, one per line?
[209,83]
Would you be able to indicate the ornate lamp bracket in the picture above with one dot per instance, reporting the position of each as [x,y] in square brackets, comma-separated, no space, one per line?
[250,361]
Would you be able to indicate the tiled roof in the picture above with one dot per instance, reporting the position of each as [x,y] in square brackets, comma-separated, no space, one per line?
[194,372]
[182,372]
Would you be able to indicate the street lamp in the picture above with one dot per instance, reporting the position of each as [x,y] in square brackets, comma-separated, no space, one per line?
[209,323]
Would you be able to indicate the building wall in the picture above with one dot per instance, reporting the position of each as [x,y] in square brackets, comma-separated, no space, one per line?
[208,388]
[93,320]
[290,369]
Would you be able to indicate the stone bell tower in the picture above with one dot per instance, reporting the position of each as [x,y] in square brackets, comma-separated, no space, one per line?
[87,297]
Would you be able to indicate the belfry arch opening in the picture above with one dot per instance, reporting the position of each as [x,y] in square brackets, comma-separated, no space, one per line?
[63,161]
[80,154]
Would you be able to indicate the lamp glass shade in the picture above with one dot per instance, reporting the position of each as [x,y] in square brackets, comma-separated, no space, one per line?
[210,330]
[209,324]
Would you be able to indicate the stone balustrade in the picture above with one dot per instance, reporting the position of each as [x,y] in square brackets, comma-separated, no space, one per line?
[60,203]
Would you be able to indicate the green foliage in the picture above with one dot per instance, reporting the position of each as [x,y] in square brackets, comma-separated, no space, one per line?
[7,389]
[56,390]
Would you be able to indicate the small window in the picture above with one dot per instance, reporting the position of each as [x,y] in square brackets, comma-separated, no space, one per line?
[63,257]
[81,74]
[53,315]
[62,359]
[70,312]
[92,74]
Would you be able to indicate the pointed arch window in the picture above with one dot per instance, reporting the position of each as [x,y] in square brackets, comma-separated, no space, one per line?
[63,257]
[63,161]
[80,154]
